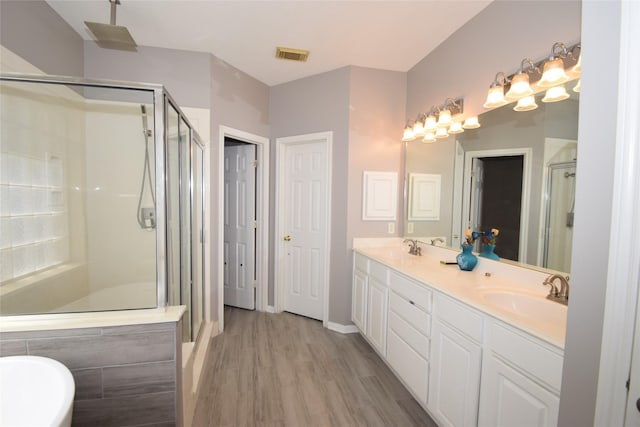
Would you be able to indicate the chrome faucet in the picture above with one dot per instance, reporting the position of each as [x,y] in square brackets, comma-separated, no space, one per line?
[562,295]
[437,239]
[414,249]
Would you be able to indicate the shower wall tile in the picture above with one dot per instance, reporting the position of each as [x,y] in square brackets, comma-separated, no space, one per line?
[125,375]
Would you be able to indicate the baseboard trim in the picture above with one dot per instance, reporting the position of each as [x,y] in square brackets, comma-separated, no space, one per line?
[271,309]
[343,329]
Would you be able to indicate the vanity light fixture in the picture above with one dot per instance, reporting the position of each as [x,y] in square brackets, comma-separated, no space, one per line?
[526,103]
[471,123]
[520,86]
[495,96]
[555,94]
[408,134]
[441,133]
[576,88]
[418,126]
[429,137]
[553,72]
[439,122]
[455,128]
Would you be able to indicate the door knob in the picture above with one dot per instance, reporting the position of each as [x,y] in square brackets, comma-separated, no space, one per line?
[287,238]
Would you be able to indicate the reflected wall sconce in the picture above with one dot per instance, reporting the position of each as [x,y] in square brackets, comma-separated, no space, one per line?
[439,122]
[520,86]
[495,97]
[471,123]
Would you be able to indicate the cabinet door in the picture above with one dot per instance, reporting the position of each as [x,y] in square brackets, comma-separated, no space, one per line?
[510,398]
[454,386]
[359,300]
[377,315]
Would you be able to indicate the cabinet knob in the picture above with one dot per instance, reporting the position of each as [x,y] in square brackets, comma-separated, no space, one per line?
[411,302]
[638,404]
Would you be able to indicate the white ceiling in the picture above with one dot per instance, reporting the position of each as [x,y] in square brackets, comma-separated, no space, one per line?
[390,35]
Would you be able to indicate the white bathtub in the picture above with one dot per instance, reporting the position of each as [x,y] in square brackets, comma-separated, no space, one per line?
[121,297]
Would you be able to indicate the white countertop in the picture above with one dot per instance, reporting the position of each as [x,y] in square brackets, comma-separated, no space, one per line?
[538,316]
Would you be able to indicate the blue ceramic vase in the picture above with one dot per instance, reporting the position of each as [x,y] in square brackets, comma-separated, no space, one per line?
[466,259]
[487,252]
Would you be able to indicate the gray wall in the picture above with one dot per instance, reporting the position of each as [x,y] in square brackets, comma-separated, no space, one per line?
[594,189]
[364,108]
[317,104]
[34,31]
[497,39]
[185,74]
[241,102]
[124,375]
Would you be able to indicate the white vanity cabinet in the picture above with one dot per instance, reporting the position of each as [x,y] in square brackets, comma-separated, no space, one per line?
[521,379]
[359,292]
[369,301]
[409,331]
[463,365]
[456,359]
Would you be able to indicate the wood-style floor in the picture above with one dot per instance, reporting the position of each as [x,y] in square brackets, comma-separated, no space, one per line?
[287,370]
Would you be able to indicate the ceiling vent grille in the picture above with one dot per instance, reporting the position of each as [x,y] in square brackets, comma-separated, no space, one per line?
[292,54]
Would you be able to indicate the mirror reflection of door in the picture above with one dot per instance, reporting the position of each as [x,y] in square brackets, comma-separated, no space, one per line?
[239,224]
[497,200]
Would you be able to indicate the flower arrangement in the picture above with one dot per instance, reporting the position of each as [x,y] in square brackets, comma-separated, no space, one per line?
[471,236]
[487,237]
[490,237]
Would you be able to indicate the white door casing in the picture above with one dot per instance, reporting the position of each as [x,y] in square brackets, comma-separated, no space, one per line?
[262,217]
[239,225]
[467,202]
[303,209]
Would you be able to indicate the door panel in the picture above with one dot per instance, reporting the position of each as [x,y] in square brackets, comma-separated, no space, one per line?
[239,230]
[305,190]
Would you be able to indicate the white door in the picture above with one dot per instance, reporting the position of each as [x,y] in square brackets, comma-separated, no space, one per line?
[377,315]
[477,186]
[359,300]
[303,224]
[239,225]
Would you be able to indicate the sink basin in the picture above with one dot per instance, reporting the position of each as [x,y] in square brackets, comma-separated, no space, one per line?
[35,391]
[529,306]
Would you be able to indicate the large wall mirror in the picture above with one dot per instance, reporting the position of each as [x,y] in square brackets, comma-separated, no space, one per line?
[515,173]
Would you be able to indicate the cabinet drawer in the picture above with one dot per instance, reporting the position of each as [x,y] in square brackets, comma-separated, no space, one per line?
[379,272]
[410,367]
[409,334]
[460,317]
[412,291]
[416,317]
[525,353]
[361,263]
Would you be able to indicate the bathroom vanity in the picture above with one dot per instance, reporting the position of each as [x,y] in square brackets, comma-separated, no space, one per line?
[474,348]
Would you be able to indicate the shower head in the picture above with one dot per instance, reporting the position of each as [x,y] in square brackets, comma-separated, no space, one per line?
[110,35]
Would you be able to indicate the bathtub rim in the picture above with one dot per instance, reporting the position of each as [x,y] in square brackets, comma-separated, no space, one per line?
[57,321]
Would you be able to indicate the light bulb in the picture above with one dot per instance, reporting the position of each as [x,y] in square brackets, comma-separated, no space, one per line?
[429,137]
[455,128]
[519,87]
[553,73]
[430,122]
[495,97]
[444,119]
[441,133]
[408,134]
[527,103]
[555,94]
[471,123]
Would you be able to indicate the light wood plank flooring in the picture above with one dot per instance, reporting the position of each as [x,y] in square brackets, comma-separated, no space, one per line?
[287,370]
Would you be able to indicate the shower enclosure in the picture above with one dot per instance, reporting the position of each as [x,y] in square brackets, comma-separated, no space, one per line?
[559,211]
[101,199]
